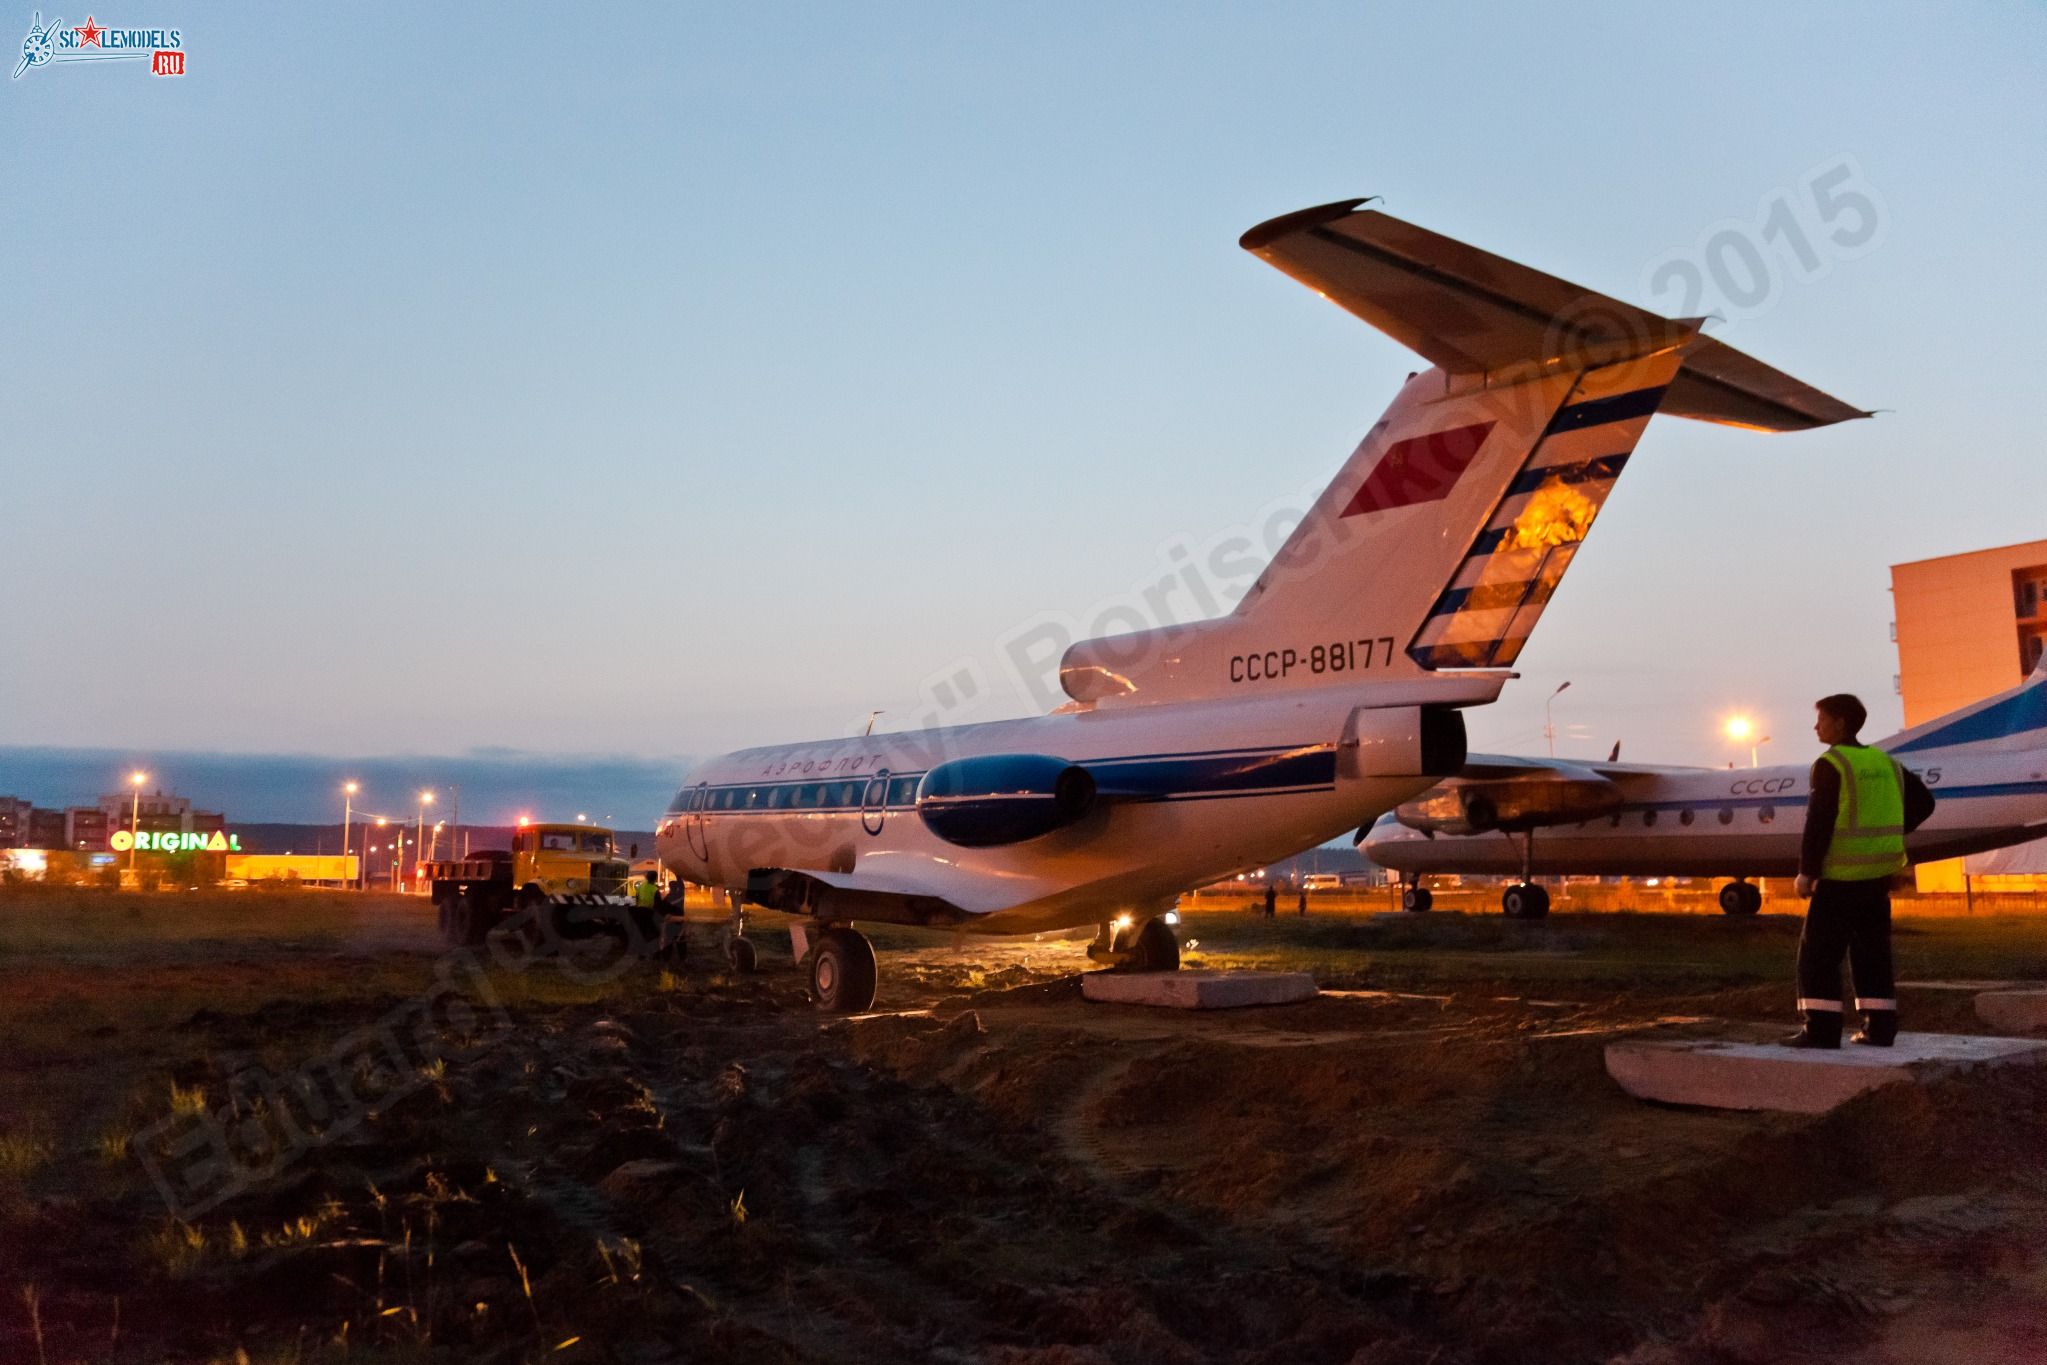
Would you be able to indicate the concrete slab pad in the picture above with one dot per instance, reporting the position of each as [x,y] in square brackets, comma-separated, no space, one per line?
[1718,1075]
[2013,1011]
[1198,990]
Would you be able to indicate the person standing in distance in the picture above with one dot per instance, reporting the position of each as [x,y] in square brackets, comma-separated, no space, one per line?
[1864,803]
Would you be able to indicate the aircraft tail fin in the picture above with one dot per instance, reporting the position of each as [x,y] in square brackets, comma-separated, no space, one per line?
[2011,720]
[1450,526]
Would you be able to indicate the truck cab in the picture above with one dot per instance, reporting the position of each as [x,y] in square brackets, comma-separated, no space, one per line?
[570,873]
[568,859]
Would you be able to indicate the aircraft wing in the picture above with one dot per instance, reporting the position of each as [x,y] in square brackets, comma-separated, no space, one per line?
[1480,767]
[902,888]
[1509,792]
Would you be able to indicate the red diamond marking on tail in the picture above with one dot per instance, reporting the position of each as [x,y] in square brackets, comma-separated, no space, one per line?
[1419,469]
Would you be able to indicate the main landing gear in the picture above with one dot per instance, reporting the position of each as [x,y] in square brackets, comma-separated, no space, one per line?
[1132,947]
[842,971]
[1740,898]
[1416,898]
[1524,899]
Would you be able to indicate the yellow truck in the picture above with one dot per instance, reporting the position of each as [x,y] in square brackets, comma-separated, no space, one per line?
[570,876]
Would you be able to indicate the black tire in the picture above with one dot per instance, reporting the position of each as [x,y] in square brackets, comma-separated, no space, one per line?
[466,922]
[842,972]
[1740,898]
[1417,900]
[741,955]
[1155,949]
[1525,900]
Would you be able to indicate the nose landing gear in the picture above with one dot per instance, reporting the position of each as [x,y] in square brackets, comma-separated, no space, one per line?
[1524,899]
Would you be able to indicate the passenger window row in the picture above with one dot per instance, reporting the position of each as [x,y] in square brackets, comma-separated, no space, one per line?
[1764,816]
[841,795]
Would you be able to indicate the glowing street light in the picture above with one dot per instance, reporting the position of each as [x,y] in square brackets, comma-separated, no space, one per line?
[1742,730]
[135,780]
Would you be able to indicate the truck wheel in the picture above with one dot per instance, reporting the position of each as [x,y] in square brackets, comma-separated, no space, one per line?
[465,922]
[842,972]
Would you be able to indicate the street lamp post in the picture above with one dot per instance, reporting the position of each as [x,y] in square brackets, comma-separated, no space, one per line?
[135,780]
[348,791]
[1549,728]
[426,799]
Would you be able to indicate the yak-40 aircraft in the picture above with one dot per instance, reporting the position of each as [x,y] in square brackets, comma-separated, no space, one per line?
[1332,692]
[1986,765]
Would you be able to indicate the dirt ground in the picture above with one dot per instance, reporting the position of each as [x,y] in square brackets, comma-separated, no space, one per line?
[587,1160]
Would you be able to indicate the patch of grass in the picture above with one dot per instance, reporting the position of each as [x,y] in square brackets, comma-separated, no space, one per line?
[177,1247]
[188,1101]
[22,1154]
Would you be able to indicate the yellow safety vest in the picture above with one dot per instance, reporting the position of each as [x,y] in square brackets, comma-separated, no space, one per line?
[1869,823]
[648,893]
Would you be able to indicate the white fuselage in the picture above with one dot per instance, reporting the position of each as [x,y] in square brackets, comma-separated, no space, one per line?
[1211,788]
[1744,822]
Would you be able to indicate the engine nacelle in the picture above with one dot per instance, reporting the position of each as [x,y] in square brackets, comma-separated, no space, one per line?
[998,799]
[1509,803]
[1402,741]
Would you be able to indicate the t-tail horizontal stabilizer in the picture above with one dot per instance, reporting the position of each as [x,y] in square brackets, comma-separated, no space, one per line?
[1450,527]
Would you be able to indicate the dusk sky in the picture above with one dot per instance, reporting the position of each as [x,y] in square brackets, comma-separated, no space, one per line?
[649,383]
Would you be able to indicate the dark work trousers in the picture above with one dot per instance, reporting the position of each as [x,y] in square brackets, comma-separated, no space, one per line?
[1852,918]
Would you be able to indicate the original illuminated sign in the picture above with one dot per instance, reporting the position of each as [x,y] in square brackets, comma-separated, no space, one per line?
[215,842]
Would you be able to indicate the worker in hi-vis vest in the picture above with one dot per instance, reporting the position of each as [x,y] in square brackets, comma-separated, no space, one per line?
[1864,803]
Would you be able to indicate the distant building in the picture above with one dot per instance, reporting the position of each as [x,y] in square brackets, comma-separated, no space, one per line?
[90,829]
[158,814]
[86,829]
[14,814]
[45,828]
[1969,626]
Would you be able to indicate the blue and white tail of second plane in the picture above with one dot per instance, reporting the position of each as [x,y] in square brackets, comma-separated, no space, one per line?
[1330,694]
[1986,765]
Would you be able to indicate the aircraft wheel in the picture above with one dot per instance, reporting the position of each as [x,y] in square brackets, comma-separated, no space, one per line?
[1157,949]
[842,972]
[1417,899]
[1525,900]
[1740,898]
[740,953]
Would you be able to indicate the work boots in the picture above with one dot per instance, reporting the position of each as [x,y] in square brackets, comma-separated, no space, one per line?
[1879,1028]
[1822,1030]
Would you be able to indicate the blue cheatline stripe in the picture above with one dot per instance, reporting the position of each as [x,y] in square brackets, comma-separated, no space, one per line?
[1596,412]
[1167,780]
[1988,789]
[1584,471]
[2015,715]
[1136,777]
